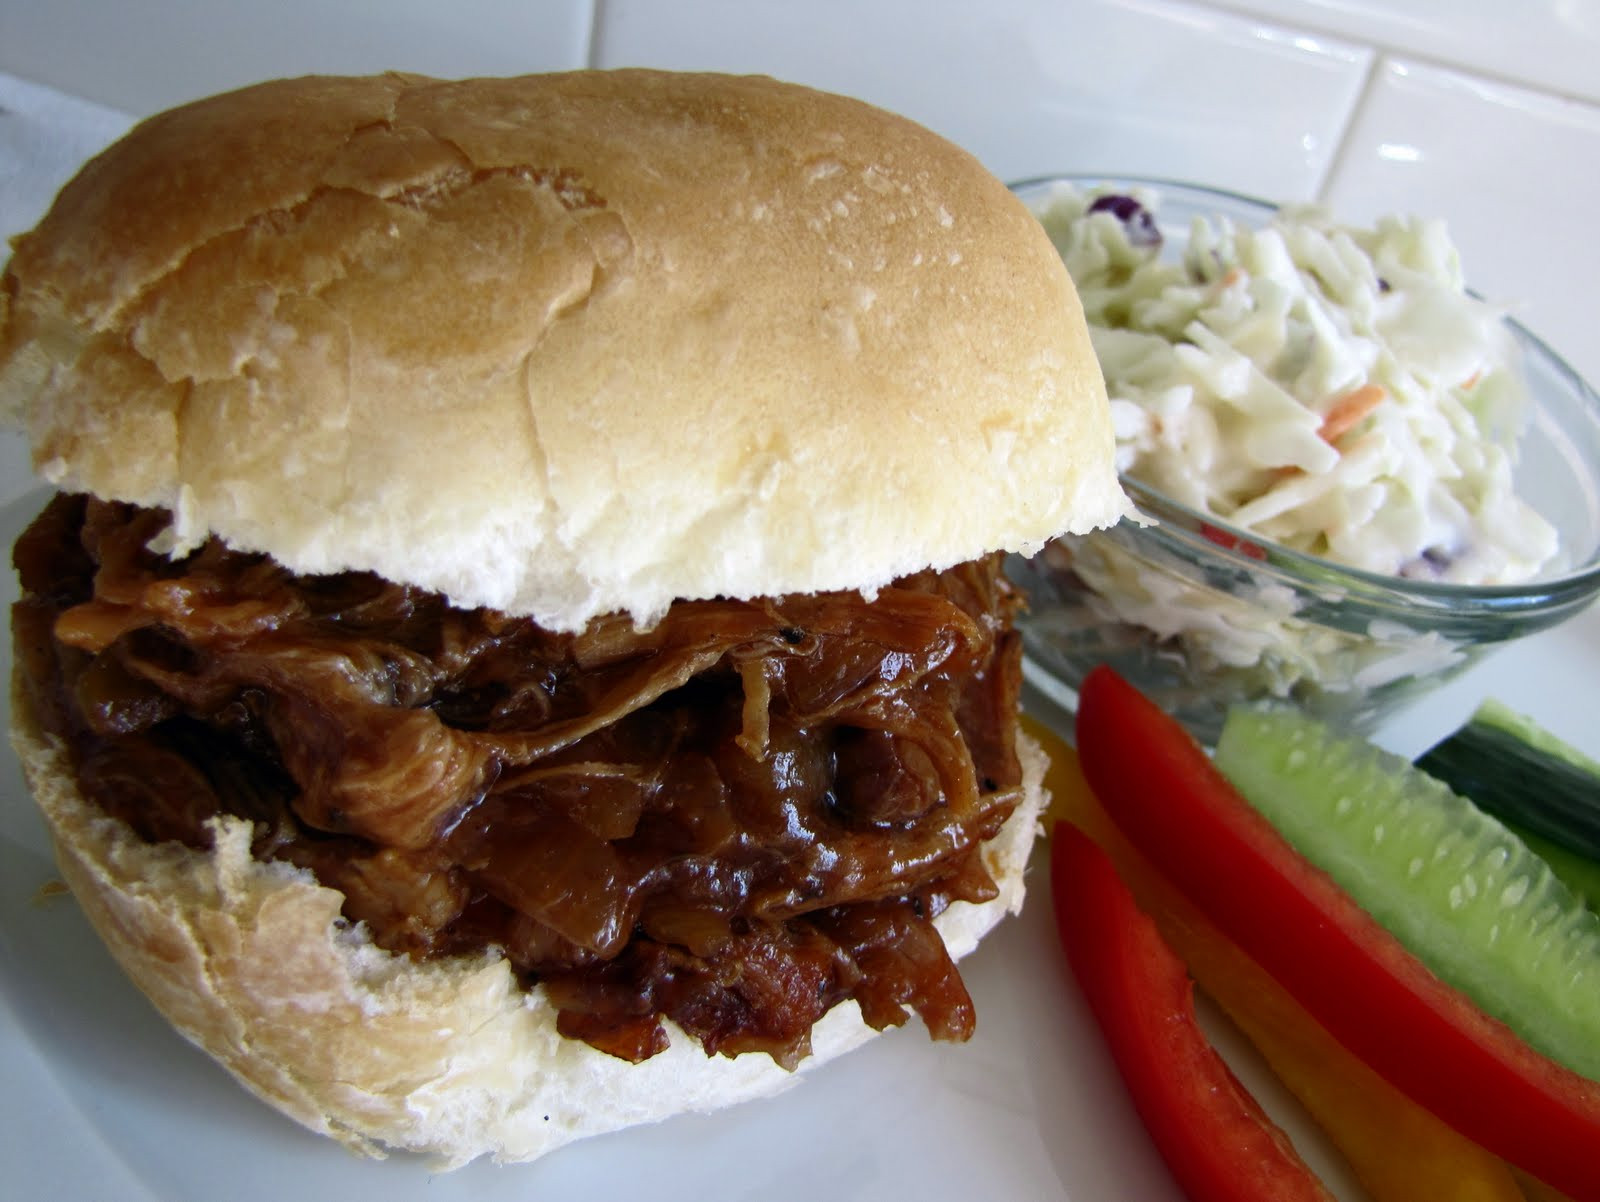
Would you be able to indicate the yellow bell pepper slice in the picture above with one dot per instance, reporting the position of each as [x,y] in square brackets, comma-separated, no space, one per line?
[1398,1150]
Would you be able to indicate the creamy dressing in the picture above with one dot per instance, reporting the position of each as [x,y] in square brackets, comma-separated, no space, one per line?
[1330,388]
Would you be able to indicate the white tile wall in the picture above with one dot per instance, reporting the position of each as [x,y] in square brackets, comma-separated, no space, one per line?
[1553,44]
[1039,86]
[145,55]
[1482,111]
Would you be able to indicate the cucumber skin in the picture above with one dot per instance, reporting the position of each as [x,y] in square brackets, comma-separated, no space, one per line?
[1523,775]
[1496,715]
[1452,883]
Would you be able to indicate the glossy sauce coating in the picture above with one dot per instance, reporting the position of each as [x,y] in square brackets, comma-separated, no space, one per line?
[736,819]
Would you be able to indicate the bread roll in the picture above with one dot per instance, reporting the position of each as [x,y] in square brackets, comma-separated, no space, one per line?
[560,346]
[449,1058]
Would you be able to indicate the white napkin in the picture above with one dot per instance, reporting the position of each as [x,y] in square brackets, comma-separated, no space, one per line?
[45,136]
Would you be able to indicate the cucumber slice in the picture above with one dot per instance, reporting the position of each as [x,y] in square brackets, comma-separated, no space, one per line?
[1578,873]
[1520,772]
[1461,892]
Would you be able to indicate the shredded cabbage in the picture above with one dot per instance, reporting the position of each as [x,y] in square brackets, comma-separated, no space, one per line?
[1330,388]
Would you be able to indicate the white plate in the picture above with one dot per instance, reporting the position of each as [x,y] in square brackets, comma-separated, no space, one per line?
[99,1099]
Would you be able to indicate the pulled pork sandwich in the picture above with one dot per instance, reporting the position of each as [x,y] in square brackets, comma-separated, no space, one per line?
[519,646]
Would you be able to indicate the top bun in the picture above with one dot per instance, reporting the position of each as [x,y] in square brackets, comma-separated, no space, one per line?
[560,345]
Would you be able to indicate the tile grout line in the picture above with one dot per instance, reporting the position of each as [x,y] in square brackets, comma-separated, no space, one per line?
[1384,49]
[592,58]
[1351,120]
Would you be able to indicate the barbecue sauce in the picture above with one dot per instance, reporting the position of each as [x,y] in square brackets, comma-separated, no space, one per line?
[736,819]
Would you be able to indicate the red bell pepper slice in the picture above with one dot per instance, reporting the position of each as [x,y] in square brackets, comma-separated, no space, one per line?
[1424,1037]
[1400,1151]
[1218,1142]
[1232,542]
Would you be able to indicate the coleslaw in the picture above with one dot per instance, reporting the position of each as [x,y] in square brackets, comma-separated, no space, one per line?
[1331,388]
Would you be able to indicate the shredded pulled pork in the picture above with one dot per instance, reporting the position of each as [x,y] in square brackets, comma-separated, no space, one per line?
[736,819]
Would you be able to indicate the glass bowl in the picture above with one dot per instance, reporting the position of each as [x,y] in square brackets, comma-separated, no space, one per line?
[1201,615]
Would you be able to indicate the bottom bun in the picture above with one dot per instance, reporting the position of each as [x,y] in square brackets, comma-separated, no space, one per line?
[451,1058]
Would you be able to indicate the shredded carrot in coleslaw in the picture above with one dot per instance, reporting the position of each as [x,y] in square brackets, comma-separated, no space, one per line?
[1327,387]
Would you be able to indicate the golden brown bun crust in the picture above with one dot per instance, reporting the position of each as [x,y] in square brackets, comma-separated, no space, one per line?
[562,344]
[449,1058]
